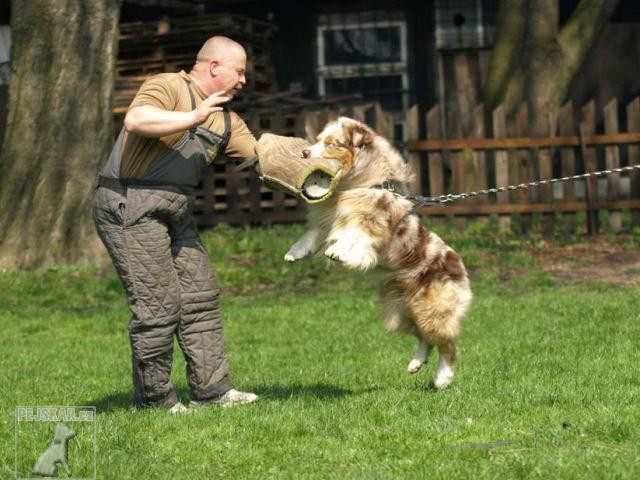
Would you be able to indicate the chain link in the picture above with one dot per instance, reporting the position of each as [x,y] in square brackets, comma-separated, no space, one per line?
[451,197]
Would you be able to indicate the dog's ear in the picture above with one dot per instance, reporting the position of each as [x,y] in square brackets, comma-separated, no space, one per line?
[357,135]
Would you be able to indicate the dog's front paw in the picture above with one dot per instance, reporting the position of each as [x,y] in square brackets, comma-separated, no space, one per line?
[361,260]
[355,258]
[288,257]
[333,252]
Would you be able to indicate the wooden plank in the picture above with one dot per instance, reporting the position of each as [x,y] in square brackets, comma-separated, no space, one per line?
[612,159]
[377,119]
[501,160]
[359,113]
[589,159]
[312,125]
[436,167]
[232,196]
[479,157]
[299,125]
[526,208]
[567,156]
[413,132]
[278,196]
[330,116]
[545,126]
[522,142]
[523,168]
[459,162]
[254,198]
[633,125]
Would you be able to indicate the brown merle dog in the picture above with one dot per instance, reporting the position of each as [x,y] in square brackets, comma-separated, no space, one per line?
[426,290]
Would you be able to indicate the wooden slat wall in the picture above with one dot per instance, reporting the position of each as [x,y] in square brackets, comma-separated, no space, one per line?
[633,125]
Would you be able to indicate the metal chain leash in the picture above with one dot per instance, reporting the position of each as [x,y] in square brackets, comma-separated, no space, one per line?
[421,201]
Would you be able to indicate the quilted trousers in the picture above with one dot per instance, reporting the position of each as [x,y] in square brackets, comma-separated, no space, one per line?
[171,289]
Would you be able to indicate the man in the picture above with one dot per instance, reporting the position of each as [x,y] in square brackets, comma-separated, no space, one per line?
[173,129]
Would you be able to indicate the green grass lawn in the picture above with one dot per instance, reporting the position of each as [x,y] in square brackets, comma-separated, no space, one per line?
[547,384]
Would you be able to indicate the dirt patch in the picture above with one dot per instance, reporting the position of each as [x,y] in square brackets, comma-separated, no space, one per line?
[601,259]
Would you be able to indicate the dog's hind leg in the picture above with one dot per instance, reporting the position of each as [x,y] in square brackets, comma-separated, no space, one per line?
[444,374]
[419,357]
[394,310]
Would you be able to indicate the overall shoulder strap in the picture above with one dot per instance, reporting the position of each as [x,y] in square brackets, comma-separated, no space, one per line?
[227,127]
[193,99]
[192,130]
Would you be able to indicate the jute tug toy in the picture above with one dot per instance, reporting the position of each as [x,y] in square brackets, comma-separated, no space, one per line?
[283,167]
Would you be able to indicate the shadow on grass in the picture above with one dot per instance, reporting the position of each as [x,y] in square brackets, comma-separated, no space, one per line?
[321,391]
[112,402]
[122,400]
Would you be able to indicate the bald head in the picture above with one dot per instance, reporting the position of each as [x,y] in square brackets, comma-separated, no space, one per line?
[219,48]
[220,66]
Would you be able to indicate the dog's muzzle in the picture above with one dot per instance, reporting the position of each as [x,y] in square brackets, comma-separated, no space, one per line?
[283,167]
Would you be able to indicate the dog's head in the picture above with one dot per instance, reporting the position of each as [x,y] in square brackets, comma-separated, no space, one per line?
[63,433]
[367,158]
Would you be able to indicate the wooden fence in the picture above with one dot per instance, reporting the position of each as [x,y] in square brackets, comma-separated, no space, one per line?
[577,142]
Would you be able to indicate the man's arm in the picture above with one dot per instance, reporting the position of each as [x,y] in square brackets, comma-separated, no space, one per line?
[151,121]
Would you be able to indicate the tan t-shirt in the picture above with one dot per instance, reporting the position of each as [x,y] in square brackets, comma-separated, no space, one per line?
[169,91]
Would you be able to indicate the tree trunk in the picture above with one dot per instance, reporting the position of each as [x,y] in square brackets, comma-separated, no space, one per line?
[58,130]
[532,62]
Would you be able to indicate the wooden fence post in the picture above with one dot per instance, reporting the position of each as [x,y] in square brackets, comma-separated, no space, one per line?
[311,125]
[413,133]
[612,158]
[501,160]
[232,188]
[568,165]
[479,180]
[277,126]
[518,128]
[359,113]
[633,125]
[545,126]
[377,119]
[589,159]
[435,165]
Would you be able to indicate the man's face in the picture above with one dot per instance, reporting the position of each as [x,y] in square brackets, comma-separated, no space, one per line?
[229,73]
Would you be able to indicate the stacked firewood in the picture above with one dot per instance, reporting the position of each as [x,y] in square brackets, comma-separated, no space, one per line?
[171,44]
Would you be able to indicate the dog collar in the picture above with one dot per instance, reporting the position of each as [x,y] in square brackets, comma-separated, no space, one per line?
[386,185]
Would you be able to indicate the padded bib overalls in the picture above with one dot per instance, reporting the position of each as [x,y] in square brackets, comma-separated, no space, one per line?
[147,226]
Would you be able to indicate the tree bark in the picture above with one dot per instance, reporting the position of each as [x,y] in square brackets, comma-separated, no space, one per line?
[532,62]
[58,130]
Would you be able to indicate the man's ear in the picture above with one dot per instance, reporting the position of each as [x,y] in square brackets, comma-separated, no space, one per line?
[358,135]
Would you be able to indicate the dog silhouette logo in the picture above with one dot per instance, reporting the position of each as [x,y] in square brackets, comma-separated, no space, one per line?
[56,453]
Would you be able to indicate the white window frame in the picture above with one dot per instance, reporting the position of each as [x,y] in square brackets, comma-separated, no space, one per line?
[351,70]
